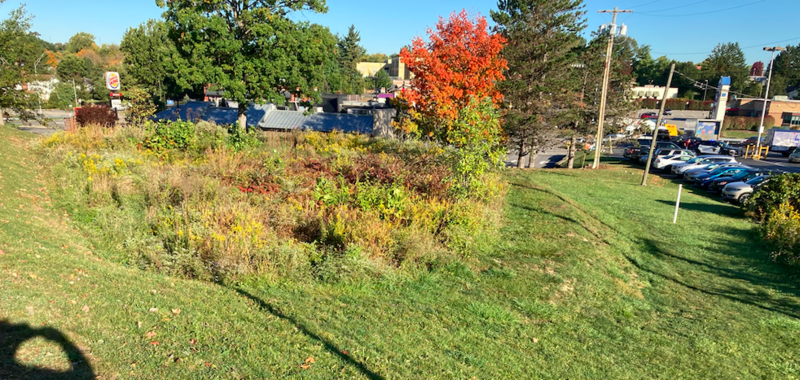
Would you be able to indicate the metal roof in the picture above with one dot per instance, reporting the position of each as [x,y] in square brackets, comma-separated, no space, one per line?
[267,116]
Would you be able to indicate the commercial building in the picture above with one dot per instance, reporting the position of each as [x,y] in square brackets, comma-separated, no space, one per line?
[395,67]
[786,112]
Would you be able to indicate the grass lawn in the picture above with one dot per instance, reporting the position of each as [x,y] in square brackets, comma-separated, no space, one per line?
[738,134]
[591,280]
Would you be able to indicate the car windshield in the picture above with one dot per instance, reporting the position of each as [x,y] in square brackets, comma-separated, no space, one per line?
[724,145]
[743,174]
[757,180]
[718,171]
[695,160]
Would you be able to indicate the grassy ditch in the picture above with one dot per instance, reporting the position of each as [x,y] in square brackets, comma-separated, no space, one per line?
[588,279]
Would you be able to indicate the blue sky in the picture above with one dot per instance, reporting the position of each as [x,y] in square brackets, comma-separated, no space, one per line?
[680,29]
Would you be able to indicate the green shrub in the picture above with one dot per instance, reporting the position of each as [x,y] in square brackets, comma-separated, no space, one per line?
[177,135]
[782,229]
[774,206]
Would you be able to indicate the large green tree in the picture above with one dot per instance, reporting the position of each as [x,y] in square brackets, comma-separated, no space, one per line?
[350,53]
[541,36]
[250,49]
[80,41]
[18,53]
[74,68]
[727,59]
[149,54]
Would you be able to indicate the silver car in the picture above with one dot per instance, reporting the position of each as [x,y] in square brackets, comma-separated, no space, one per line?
[742,191]
[700,162]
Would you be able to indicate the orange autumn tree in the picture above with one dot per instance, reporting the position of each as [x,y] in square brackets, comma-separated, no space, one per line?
[460,63]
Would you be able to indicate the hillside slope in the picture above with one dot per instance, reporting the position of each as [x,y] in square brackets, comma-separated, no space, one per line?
[591,281]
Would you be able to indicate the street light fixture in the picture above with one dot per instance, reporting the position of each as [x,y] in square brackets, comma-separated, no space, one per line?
[773,49]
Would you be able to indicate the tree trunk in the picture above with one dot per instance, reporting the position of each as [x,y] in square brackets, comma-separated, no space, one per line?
[243,116]
[571,153]
[521,156]
[531,160]
[2,118]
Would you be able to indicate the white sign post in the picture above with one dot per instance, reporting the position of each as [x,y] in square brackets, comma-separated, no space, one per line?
[677,204]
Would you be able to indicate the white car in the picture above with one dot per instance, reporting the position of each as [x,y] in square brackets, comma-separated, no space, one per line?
[663,152]
[741,191]
[691,175]
[699,162]
[666,163]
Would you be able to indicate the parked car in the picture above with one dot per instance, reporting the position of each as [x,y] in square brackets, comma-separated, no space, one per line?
[694,174]
[642,150]
[716,147]
[752,140]
[663,152]
[720,172]
[742,191]
[794,157]
[665,163]
[717,184]
[615,137]
[668,112]
[700,162]
[649,115]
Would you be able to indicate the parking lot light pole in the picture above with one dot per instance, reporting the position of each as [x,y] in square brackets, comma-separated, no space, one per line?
[766,96]
[658,123]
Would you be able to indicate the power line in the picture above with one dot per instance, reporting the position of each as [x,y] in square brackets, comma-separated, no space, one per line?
[704,13]
[680,6]
[646,4]
[744,47]
[703,86]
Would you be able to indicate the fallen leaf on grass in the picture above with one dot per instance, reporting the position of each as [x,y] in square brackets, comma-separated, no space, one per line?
[176,311]
[305,366]
[85,309]
[150,334]
[155,343]
[309,360]
[193,341]
[153,309]
[2,253]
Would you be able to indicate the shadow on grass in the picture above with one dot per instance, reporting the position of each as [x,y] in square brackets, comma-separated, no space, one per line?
[769,276]
[12,336]
[717,209]
[754,267]
[272,309]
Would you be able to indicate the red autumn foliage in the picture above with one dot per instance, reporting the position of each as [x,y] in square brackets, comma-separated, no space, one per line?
[100,115]
[460,62]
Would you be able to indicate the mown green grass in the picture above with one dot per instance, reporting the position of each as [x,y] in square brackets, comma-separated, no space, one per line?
[738,134]
[591,280]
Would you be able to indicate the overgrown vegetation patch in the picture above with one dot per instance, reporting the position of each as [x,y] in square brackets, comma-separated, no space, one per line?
[222,204]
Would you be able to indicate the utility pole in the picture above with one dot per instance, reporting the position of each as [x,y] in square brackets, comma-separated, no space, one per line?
[611,32]
[766,96]
[658,123]
[75,91]
[705,90]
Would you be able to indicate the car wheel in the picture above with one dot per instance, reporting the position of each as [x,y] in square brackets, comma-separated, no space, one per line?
[785,154]
[744,198]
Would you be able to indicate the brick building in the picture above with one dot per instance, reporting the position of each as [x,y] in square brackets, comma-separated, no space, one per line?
[785,112]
